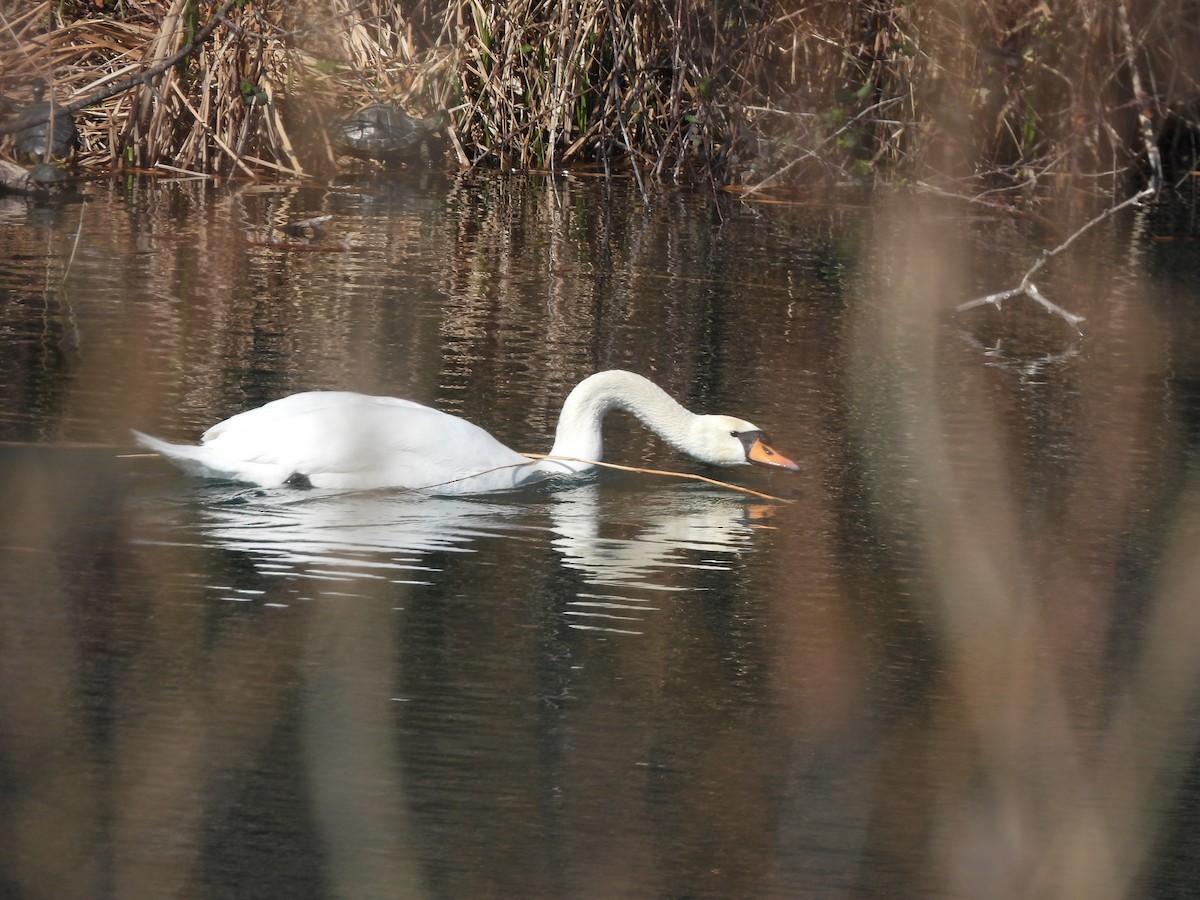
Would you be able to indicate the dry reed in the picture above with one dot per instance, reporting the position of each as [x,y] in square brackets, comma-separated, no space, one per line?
[750,95]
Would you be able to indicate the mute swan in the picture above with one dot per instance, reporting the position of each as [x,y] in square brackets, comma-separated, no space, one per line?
[337,439]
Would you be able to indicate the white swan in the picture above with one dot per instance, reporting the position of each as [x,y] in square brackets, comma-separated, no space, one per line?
[336,439]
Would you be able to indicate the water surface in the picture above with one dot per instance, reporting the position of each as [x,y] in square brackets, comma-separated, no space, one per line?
[960,662]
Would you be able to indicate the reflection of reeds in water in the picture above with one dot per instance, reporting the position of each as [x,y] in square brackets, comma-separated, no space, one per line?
[480,291]
[933,686]
[1054,765]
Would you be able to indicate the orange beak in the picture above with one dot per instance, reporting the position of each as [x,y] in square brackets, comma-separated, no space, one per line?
[761,454]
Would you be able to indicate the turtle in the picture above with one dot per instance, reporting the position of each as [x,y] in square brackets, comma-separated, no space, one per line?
[41,179]
[46,175]
[51,132]
[387,133]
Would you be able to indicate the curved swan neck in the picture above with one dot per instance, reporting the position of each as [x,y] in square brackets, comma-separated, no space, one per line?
[579,424]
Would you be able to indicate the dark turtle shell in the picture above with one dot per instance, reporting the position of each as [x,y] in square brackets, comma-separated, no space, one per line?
[51,128]
[47,174]
[385,133]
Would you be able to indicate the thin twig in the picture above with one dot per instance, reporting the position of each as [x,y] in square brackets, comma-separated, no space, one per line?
[74,245]
[590,462]
[645,471]
[189,172]
[1030,290]
[811,153]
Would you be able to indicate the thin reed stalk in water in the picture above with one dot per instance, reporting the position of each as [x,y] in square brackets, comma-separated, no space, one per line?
[665,473]
[591,462]
[74,245]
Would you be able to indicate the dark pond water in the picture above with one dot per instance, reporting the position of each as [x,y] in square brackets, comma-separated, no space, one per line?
[962,661]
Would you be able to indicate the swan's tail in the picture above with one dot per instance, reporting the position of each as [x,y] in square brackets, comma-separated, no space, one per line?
[191,459]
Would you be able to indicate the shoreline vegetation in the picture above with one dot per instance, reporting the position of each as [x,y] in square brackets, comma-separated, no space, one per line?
[769,98]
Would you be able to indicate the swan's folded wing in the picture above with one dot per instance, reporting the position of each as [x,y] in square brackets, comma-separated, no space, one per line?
[440,452]
[341,440]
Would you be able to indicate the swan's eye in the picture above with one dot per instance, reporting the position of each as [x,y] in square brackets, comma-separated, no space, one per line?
[734,434]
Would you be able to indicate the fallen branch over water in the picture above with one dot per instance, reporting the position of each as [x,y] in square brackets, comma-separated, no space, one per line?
[1030,290]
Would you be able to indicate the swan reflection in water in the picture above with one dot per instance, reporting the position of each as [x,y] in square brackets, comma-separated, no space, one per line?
[627,546]
[626,559]
[333,441]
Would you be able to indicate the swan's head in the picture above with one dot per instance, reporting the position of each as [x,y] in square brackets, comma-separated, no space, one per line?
[726,441]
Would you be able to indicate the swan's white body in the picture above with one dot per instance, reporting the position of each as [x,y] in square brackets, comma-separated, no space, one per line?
[336,439]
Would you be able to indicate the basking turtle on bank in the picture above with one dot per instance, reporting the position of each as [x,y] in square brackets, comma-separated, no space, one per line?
[42,179]
[47,175]
[52,135]
[387,133]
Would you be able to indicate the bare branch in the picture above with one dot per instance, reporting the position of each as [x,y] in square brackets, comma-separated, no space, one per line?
[41,113]
[1141,98]
[1030,290]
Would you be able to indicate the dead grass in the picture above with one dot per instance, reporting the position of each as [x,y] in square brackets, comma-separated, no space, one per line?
[965,96]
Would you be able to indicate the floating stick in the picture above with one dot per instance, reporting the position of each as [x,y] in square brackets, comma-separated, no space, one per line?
[664,472]
[1029,289]
[591,462]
